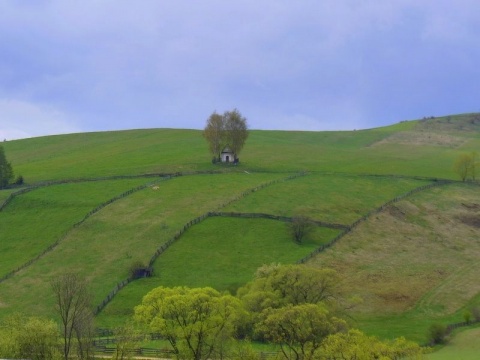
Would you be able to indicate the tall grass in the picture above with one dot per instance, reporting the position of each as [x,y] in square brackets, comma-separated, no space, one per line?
[414,264]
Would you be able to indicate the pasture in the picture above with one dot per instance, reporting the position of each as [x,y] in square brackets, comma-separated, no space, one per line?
[413,263]
[463,346]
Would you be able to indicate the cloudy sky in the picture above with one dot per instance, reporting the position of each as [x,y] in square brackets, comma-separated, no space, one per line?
[95,65]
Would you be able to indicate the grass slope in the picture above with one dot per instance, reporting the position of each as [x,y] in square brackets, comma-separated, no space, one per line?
[37,219]
[233,249]
[464,346]
[104,247]
[329,198]
[380,151]
[413,264]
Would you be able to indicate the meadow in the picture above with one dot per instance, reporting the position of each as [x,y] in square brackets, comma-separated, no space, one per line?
[463,346]
[413,263]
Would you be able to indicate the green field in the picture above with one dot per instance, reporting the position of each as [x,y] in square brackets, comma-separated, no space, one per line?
[413,263]
[463,346]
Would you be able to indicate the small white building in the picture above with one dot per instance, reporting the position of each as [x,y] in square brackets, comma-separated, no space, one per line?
[227,155]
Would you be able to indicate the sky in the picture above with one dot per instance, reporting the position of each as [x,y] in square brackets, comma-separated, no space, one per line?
[99,65]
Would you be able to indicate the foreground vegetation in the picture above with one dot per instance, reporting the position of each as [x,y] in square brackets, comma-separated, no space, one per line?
[413,262]
[293,307]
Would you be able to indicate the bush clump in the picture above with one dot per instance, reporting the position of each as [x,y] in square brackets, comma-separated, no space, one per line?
[438,334]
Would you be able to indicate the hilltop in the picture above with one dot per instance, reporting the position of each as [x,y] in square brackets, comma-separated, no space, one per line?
[102,201]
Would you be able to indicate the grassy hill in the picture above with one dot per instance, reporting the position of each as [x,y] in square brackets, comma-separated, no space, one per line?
[101,201]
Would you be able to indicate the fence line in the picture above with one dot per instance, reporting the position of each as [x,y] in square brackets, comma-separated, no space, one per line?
[103,178]
[275,217]
[161,249]
[77,224]
[200,218]
[203,172]
[346,228]
[160,353]
[369,214]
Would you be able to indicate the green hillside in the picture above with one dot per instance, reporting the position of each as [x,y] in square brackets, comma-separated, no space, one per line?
[99,202]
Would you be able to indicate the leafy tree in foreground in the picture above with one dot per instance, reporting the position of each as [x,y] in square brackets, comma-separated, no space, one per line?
[299,330]
[355,345]
[229,129]
[196,322]
[6,171]
[279,285]
[29,338]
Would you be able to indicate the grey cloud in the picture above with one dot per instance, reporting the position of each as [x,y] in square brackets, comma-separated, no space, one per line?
[344,64]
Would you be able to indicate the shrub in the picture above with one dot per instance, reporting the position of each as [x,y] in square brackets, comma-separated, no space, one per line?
[437,334]
[19,180]
[467,316]
[136,266]
[300,226]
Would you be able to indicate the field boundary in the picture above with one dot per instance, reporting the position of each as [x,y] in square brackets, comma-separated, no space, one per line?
[77,224]
[346,228]
[371,213]
[42,184]
[105,178]
[275,217]
[161,249]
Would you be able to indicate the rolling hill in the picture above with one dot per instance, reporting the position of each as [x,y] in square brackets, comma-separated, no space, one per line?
[96,203]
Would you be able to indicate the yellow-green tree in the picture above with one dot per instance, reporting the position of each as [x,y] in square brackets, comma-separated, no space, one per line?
[196,322]
[464,166]
[299,330]
[279,285]
[29,338]
[355,345]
